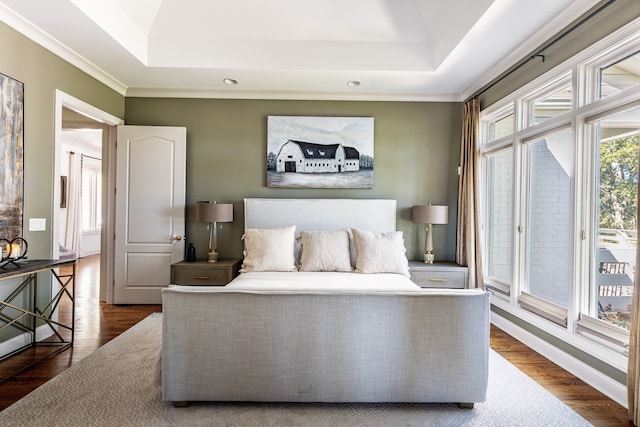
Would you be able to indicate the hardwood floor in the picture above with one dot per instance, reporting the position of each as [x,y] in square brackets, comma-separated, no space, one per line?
[97,323]
[592,405]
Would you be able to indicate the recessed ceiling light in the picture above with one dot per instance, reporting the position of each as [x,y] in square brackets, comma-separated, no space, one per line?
[353,83]
[230,82]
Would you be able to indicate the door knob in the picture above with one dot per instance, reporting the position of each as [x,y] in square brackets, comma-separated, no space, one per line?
[175,237]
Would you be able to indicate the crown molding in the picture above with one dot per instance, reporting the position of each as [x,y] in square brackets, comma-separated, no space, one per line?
[287,95]
[29,30]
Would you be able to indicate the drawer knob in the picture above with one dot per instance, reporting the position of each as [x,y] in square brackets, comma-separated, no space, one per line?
[434,279]
[200,277]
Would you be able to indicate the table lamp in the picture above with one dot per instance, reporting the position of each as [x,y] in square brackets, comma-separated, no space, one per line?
[429,215]
[212,213]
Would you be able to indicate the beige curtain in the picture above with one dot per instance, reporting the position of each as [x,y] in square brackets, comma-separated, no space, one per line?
[468,227]
[633,369]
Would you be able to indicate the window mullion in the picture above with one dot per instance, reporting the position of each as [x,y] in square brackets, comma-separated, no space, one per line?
[519,224]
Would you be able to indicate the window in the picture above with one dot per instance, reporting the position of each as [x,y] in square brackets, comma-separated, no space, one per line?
[549,217]
[91,194]
[499,246]
[502,126]
[559,166]
[620,75]
[616,191]
[551,105]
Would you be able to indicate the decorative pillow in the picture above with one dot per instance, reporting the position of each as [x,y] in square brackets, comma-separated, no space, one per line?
[298,251]
[380,252]
[269,249]
[325,251]
[353,253]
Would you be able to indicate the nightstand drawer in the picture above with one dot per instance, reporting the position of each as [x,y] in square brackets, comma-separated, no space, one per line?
[204,273]
[200,276]
[439,279]
[438,275]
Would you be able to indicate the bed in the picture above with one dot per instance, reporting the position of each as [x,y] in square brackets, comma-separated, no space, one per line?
[324,329]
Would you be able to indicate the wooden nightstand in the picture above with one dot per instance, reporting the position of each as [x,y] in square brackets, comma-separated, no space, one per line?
[204,273]
[438,275]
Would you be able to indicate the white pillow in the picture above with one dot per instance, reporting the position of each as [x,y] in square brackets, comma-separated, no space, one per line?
[352,248]
[269,249]
[380,252]
[325,251]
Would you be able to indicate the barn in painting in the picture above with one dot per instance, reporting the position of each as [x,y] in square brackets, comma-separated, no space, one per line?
[307,157]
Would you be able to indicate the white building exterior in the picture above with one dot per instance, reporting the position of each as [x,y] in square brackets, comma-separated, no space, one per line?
[307,157]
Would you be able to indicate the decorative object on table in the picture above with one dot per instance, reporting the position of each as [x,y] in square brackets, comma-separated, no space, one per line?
[319,152]
[429,215]
[12,251]
[11,155]
[213,213]
[191,253]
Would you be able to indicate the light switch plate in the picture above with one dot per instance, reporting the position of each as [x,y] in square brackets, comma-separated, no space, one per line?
[37,224]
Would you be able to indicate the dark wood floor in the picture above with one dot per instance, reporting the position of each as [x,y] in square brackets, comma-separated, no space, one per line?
[97,323]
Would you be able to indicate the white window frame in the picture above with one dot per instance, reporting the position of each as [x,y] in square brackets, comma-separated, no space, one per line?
[593,336]
[503,289]
[525,298]
[543,92]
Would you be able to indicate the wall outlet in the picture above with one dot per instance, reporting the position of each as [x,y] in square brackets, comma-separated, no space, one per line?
[37,224]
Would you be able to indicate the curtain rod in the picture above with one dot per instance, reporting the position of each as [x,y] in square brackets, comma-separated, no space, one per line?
[540,52]
[85,155]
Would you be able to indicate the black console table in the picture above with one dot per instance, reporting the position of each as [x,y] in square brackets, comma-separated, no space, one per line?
[37,314]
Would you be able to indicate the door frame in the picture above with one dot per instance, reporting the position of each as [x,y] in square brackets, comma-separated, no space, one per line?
[108,124]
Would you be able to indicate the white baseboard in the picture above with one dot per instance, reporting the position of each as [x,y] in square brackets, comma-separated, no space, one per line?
[16,343]
[596,379]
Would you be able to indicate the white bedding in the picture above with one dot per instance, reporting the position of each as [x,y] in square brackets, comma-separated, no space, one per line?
[322,281]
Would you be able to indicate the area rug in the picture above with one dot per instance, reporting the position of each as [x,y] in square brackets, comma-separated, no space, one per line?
[116,386]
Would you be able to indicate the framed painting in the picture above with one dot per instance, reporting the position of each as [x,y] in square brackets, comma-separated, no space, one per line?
[11,157]
[319,152]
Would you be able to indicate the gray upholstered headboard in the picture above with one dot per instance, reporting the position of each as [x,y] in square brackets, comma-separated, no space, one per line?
[378,215]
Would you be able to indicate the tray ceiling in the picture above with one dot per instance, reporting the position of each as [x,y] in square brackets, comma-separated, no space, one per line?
[435,50]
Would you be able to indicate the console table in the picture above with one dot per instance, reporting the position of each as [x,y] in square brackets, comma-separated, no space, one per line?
[22,311]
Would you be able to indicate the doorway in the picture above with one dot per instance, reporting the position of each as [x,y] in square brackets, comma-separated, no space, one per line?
[73,118]
[80,186]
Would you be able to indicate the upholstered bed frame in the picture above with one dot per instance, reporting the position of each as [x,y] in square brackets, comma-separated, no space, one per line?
[221,344]
[377,215]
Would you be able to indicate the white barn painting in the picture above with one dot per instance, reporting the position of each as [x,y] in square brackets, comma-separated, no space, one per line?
[320,152]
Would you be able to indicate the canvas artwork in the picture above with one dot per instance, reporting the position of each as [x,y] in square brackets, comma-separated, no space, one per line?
[11,157]
[319,152]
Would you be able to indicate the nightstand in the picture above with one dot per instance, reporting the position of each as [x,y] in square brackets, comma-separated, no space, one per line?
[438,275]
[204,273]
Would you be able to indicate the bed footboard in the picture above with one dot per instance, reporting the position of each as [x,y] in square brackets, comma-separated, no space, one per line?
[225,345]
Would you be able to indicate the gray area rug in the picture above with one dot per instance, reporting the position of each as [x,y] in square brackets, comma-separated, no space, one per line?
[116,386]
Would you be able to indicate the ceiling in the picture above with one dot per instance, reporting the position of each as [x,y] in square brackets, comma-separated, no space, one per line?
[415,50]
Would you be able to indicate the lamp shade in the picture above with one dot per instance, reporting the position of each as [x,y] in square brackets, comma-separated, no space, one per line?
[214,212]
[430,214]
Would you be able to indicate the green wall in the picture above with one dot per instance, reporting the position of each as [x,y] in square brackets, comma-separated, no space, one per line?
[42,73]
[416,156]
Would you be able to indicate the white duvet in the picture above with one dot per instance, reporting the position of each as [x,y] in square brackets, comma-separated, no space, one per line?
[322,281]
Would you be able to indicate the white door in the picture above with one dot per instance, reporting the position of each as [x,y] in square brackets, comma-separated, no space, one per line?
[150,210]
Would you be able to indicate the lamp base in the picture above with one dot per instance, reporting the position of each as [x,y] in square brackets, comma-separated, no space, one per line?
[429,258]
[213,256]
